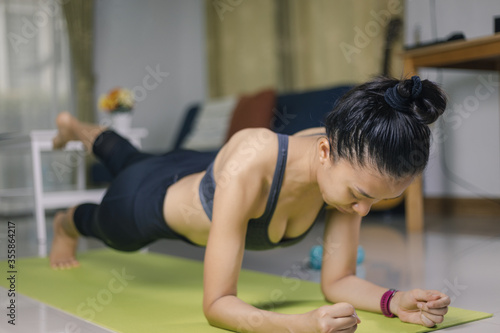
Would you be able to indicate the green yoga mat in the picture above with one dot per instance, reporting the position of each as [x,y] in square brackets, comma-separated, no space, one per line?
[146,292]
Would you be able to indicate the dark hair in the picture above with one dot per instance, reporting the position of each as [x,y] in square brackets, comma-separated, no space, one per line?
[365,128]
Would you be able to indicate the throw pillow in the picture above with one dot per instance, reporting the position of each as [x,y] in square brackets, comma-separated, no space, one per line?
[253,111]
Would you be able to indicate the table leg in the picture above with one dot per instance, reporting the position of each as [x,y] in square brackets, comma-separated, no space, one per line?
[414,206]
[41,230]
[414,200]
[80,172]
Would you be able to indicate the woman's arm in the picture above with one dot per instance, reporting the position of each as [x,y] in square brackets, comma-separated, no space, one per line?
[338,274]
[234,204]
[223,258]
[224,309]
[339,282]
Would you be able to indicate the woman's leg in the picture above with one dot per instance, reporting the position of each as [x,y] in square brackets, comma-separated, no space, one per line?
[112,222]
[112,150]
[65,241]
[70,128]
[117,154]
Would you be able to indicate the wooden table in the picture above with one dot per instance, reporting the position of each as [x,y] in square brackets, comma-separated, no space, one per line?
[480,53]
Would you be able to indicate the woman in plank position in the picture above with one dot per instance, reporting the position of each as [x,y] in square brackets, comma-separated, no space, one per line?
[264,190]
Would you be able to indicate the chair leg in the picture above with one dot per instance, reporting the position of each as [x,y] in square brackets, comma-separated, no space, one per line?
[414,206]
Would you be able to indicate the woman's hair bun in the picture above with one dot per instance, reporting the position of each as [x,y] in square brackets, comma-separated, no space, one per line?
[426,105]
[384,122]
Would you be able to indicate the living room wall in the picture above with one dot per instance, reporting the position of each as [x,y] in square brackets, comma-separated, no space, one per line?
[133,36]
[467,163]
[156,48]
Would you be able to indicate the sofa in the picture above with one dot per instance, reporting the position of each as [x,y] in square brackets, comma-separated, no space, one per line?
[206,126]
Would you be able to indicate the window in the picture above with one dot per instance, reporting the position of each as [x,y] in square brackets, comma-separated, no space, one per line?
[34,65]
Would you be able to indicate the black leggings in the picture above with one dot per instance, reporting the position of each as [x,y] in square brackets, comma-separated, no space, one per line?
[130,215]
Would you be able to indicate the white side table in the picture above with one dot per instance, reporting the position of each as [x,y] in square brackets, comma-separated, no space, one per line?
[40,141]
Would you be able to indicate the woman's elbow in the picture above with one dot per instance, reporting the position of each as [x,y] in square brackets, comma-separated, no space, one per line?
[327,293]
[329,287]
[208,312]
[211,319]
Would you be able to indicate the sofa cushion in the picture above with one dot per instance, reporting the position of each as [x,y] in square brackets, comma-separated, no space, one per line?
[297,111]
[253,111]
[209,128]
[187,125]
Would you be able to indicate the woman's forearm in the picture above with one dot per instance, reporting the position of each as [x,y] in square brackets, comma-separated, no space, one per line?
[229,312]
[363,295]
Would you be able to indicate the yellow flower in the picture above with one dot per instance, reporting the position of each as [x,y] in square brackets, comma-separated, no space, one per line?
[125,98]
[117,100]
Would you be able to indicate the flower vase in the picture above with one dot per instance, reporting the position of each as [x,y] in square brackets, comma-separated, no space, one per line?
[121,123]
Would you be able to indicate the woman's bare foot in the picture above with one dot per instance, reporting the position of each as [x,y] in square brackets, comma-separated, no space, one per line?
[70,128]
[65,123]
[62,253]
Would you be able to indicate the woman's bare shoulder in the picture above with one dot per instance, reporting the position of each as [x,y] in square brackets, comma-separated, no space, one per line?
[248,148]
[259,132]
[256,139]
[311,131]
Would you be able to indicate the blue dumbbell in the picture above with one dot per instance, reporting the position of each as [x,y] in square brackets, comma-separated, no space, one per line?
[316,254]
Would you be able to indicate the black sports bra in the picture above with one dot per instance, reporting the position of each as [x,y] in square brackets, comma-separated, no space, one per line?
[257,237]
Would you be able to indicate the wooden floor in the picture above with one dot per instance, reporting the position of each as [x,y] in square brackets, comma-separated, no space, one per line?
[457,255]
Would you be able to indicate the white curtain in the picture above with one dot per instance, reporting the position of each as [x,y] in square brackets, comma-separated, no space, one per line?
[34,65]
[35,80]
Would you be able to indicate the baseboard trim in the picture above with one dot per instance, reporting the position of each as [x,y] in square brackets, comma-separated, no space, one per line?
[469,207]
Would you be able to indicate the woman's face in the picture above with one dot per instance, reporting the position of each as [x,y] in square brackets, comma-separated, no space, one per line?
[353,189]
